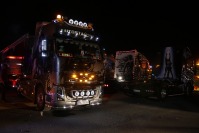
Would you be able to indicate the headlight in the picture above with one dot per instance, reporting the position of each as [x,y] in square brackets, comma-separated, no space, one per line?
[83,93]
[120,79]
[76,93]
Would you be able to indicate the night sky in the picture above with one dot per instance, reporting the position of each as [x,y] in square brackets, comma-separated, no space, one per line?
[121,24]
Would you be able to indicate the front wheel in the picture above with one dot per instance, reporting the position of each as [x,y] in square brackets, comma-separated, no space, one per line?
[40,99]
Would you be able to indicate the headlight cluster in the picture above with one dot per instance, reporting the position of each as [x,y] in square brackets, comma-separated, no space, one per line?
[82,77]
[83,93]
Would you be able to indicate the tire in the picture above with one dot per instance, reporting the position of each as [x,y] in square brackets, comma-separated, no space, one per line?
[162,94]
[188,90]
[40,99]
[127,91]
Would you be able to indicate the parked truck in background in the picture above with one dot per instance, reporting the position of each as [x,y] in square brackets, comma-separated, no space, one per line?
[62,65]
[172,74]
[11,58]
[196,75]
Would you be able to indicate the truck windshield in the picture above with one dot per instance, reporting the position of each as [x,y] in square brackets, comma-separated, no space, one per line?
[76,64]
[71,48]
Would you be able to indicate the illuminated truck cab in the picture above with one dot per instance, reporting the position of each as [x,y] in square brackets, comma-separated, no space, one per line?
[66,68]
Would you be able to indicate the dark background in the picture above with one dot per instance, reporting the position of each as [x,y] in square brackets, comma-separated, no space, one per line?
[147,26]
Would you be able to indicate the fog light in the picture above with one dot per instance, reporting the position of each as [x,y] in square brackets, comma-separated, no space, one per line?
[76,93]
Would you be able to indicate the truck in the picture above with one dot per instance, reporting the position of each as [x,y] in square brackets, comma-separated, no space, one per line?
[172,74]
[62,65]
[11,58]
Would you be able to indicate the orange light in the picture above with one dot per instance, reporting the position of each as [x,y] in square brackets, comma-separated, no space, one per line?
[15,57]
[59,16]
[196,88]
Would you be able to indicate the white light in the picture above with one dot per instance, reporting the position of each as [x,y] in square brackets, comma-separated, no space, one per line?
[88,93]
[43,54]
[92,92]
[82,93]
[68,33]
[91,37]
[80,23]
[70,21]
[85,36]
[76,22]
[43,45]
[120,77]
[61,31]
[97,38]
[76,93]
[85,24]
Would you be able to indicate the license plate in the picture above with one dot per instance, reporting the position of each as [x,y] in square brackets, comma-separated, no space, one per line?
[82,102]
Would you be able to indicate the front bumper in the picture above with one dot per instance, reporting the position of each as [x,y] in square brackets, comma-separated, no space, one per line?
[73,97]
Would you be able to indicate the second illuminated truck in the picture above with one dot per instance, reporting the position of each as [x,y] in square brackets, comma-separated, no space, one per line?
[172,73]
[63,67]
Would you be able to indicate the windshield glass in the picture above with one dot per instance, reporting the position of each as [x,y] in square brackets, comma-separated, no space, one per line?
[76,64]
[69,48]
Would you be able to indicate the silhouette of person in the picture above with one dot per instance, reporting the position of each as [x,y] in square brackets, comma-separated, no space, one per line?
[128,67]
[168,65]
